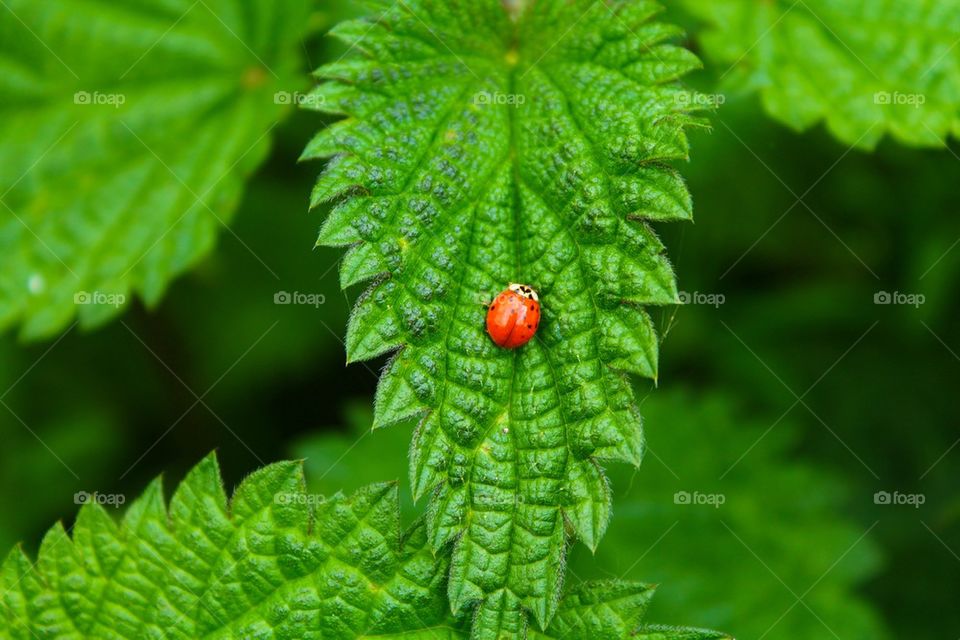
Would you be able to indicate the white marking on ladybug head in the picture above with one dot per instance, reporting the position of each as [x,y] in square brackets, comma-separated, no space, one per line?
[524,290]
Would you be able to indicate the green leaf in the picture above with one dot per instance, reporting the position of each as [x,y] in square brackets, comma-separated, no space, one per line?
[660,632]
[863,67]
[128,128]
[790,516]
[483,147]
[275,562]
[613,609]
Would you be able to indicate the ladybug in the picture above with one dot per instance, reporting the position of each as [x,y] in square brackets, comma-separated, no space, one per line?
[513,316]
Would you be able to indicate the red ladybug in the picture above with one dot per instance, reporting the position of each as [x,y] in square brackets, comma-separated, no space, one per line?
[513,316]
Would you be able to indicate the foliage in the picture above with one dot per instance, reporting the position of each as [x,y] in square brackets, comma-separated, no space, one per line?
[126,140]
[483,148]
[790,519]
[84,442]
[800,298]
[864,67]
[217,330]
[796,295]
[273,562]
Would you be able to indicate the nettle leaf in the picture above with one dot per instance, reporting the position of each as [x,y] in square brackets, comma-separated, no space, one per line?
[128,128]
[866,68]
[793,518]
[272,563]
[612,609]
[268,564]
[485,145]
[594,609]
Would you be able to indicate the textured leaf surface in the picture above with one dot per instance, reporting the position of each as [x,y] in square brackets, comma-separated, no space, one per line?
[127,129]
[612,609]
[268,565]
[482,148]
[865,67]
[792,518]
[273,563]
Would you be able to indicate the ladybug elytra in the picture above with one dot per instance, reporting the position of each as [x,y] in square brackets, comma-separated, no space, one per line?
[513,316]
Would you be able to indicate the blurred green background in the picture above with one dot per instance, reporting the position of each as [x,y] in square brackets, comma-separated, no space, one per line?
[786,394]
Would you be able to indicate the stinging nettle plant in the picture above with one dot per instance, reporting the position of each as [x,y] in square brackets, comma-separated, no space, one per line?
[864,68]
[121,198]
[273,563]
[482,145]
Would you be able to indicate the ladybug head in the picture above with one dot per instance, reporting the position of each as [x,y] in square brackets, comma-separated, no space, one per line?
[524,290]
